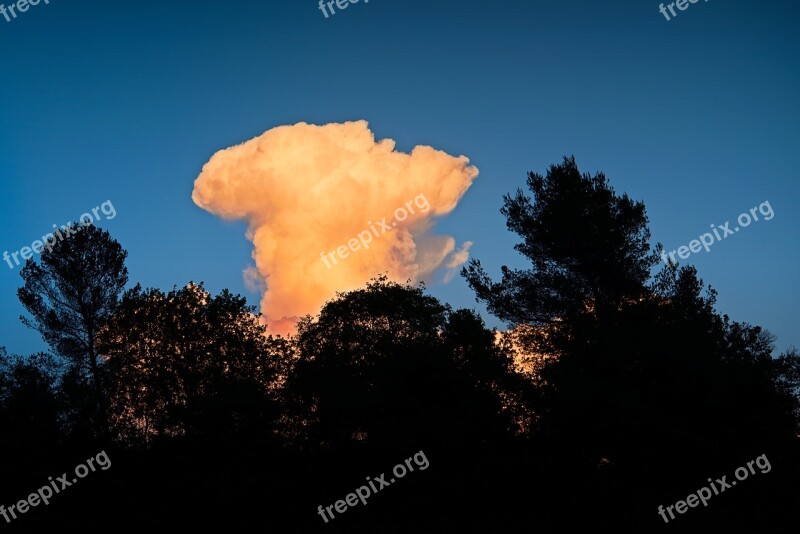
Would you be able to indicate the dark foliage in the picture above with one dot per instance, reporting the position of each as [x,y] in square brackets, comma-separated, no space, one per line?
[636,392]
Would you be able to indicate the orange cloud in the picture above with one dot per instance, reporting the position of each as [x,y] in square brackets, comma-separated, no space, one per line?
[306,190]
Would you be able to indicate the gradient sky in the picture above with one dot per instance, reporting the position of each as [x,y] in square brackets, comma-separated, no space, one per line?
[125,101]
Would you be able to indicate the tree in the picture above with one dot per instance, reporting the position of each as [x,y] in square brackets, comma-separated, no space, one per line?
[70,294]
[589,250]
[388,366]
[787,379]
[643,379]
[188,364]
[30,406]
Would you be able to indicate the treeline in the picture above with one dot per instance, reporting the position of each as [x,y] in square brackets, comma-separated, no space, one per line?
[617,388]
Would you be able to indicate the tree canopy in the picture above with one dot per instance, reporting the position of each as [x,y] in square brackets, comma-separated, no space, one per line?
[615,388]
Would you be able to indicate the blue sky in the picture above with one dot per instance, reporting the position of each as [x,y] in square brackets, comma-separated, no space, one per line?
[125,101]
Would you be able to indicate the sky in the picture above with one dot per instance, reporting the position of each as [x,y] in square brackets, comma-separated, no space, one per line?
[127,101]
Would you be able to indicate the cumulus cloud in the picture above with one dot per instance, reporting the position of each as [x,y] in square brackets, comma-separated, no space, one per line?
[306,190]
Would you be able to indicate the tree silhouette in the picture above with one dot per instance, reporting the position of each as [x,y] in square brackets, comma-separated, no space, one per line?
[29,404]
[645,380]
[588,249]
[615,390]
[389,366]
[188,364]
[70,294]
